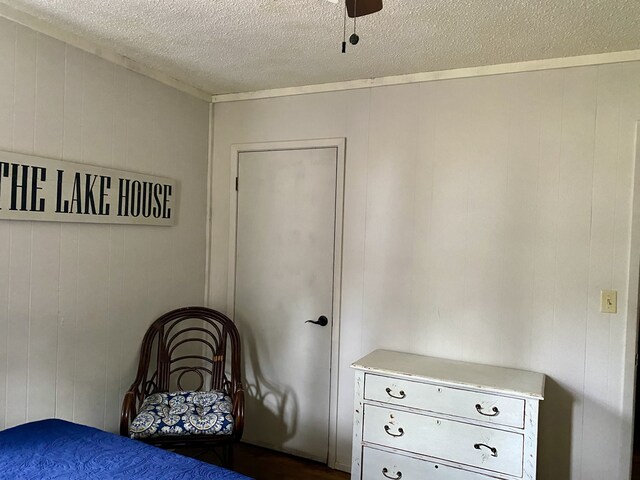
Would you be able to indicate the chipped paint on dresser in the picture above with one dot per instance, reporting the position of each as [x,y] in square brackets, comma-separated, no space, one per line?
[427,417]
[531,439]
[358,422]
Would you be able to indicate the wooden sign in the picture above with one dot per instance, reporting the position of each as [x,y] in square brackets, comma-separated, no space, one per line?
[44,189]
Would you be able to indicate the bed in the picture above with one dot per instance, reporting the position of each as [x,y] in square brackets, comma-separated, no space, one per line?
[56,449]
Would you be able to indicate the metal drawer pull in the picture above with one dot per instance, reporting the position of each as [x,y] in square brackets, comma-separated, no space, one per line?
[402,394]
[397,477]
[399,434]
[494,450]
[495,411]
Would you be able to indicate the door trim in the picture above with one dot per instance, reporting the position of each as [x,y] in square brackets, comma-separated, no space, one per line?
[339,144]
[630,392]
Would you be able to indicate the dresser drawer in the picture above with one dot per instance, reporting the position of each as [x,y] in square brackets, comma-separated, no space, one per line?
[380,465]
[452,401]
[481,447]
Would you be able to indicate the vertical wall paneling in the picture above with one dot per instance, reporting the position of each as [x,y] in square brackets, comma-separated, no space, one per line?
[597,400]
[162,153]
[93,248]
[45,256]
[574,212]
[89,393]
[482,218]
[76,299]
[68,336]
[444,299]
[21,234]
[7,76]
[425,168]
[555,430]
[134,282]
[622,335]
[356,112]
[116,312]
[389,217]
[518,207]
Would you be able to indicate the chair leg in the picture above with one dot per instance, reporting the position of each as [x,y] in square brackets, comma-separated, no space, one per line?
[228,456]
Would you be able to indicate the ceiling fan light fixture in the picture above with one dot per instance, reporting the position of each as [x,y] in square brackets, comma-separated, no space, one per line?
[360,8]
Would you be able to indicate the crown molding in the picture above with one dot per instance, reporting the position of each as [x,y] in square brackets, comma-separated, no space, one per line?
[46,28]
[505,68]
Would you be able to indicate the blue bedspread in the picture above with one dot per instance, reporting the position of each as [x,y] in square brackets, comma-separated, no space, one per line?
[55,449]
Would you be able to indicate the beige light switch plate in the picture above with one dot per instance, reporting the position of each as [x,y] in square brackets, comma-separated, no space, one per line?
[608,301]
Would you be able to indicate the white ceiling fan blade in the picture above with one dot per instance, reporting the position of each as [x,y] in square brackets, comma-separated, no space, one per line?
[332,1]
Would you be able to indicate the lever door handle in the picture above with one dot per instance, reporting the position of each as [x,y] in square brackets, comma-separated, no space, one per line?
[322,321]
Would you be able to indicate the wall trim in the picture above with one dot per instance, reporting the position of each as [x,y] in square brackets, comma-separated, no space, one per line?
[209,224]
[630,392]
[481,71]
[74,40]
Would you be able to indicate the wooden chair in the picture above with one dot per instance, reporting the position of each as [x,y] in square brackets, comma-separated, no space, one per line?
[194,342]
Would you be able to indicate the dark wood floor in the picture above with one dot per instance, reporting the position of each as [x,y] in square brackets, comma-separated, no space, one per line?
[263,464]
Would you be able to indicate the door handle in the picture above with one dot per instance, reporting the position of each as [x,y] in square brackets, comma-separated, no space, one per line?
[322,321]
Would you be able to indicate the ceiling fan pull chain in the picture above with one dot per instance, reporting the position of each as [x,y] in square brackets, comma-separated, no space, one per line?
[344,30]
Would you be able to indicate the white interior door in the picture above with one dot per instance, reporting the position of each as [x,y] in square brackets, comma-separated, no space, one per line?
[286,220]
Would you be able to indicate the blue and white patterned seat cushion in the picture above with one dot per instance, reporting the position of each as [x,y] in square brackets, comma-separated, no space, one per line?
[184,413]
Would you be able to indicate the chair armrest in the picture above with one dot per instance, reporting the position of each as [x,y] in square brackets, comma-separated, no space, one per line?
[238,411]
[128,412]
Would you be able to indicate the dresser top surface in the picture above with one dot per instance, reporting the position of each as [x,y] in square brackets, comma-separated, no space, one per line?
[508,381]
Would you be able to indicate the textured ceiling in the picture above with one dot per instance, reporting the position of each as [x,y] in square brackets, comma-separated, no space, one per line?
[224,46]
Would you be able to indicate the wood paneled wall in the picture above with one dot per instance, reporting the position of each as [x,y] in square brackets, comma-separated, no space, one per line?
[76,299]
[482,218]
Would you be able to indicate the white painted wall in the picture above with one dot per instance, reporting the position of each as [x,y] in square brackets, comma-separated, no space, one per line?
[482,218]
[75,299]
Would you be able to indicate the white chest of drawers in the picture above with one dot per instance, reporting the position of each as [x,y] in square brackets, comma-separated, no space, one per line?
[424,418]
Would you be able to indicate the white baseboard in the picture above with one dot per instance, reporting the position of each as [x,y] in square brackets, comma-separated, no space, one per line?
[343,467]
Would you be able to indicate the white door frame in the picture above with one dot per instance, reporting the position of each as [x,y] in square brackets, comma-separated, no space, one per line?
[339,145]
[630,392]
